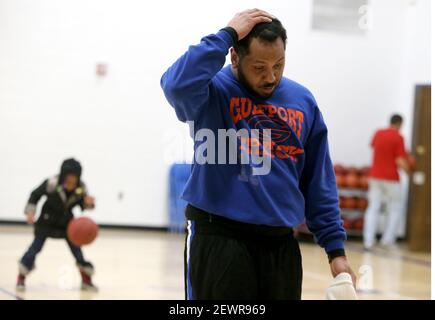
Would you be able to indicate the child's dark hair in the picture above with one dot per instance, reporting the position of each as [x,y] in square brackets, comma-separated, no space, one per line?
[70,166]
[266,31]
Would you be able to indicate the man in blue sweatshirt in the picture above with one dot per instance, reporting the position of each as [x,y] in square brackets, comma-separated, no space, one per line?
[240,243]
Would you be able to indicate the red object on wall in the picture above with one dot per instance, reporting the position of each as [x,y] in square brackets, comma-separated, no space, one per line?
[101,69]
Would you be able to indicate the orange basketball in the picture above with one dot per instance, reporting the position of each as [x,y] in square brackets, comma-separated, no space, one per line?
[340,180]
[364,182]
[349,203]
[365,171]
[347,224]
[82,231]
[339,169]
[358,224]
[362,203]
[352,170]
[342,203]
[352,180]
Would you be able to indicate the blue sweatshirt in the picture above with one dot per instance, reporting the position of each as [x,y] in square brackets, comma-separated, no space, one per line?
[301,183]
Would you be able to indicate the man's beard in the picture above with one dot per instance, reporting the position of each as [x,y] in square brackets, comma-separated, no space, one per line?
[242,79]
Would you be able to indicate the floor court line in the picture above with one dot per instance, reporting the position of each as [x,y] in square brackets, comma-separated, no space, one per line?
[10,294]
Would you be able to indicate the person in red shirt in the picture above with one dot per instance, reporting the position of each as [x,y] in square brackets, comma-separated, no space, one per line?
[389,155]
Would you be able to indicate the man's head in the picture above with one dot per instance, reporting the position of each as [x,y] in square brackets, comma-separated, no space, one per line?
[258,59]
[70,173]
[396,121]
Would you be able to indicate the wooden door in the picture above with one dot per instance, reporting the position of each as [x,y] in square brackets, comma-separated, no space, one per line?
[419,206]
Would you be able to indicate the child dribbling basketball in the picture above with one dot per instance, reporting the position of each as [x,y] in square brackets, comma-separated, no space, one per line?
[64,192]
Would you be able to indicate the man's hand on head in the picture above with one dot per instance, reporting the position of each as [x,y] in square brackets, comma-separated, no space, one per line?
[244,21]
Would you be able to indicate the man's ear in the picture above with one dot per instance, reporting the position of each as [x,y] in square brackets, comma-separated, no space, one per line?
[234,58]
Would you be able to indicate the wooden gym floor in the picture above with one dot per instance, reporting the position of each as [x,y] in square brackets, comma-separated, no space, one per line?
[149,265]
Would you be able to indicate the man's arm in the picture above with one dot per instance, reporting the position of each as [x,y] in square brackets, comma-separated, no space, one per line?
[403,164]
[187,84]
[321,199]
[401,156]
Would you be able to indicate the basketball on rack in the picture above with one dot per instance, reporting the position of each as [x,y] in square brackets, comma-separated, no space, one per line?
[352,180]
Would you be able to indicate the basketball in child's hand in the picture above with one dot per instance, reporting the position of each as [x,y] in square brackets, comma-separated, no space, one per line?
[82,231]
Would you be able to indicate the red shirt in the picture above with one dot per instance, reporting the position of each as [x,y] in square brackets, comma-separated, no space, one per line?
[387,145]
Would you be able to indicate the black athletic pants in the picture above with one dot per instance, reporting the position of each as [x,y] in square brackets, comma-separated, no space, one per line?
[29,257]
[226,259]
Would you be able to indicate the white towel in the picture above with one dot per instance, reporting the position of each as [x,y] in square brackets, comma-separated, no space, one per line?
[341,288]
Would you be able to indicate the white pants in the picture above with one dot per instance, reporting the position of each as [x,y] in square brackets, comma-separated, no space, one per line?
[388,192]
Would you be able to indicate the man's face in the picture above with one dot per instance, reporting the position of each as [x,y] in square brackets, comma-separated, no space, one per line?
[70,182]
[262,68]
